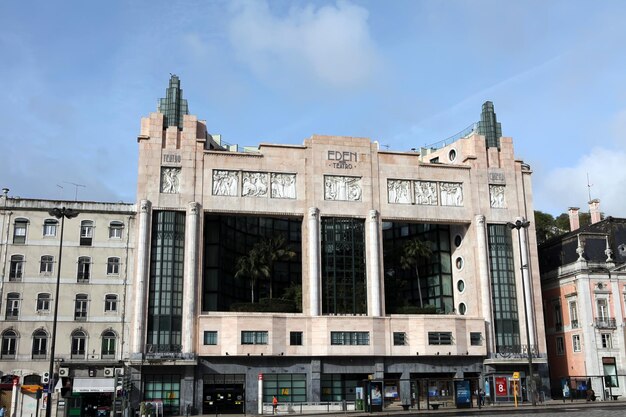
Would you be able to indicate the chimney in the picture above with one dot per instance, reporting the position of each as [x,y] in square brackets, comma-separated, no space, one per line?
[574,221]
[594,210]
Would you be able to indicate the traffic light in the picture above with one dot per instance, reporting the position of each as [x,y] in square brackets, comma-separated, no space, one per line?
[128,384]
[45,379]
[119,382]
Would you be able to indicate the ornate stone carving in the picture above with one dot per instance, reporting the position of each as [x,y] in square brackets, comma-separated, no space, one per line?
[399,191]
[283,186]
[451,193]
[254,184]
[225,182]
[145,206]
[170,180]
[313,212]
[373,215]
[426,193]
[194,207]
[342,188]
[496,195]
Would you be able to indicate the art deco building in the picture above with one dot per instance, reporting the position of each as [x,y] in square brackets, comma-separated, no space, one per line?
[584,294]
[92,337]
[218,322]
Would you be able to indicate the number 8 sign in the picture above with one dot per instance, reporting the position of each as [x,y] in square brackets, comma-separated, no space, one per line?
[501,389]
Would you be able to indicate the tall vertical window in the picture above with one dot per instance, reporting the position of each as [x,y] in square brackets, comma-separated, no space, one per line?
[610,372]
[40,343]
[16,269]
[84,269]
[605,340]
[110,303]
[9,344]
[504,296]
[115,230]
[50,227]
[13,306]
[80,307]
[343,266]
[86,232]
[109,340]
[165,297]
[576,343]
[43,302]
[603,309]
[46,265]
[560,345]
[19,230]
[558,317]
[573,314]
[79,344]
[113,266]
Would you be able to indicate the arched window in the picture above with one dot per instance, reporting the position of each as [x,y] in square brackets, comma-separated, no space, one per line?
[80,307]
[50,227]
[19,230]
[16,271]
[13,306]
[79,344]
[43,302]
[108,345]
[115,230]
[113,266]
[46,266]
[40,344]
[9,344]
[110,303]
[86,232]
[84,269]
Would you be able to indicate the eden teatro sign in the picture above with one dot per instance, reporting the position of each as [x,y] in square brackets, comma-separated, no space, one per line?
[342,160]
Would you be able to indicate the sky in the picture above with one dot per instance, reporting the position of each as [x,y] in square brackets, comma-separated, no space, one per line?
[77,76]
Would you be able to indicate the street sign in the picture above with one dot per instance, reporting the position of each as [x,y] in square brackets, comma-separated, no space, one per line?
[515,375]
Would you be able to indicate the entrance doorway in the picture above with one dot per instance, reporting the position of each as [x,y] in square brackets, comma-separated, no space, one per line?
[223,399]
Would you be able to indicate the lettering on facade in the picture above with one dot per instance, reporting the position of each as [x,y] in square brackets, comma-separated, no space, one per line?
[497,177]
[172,158]
[343,159]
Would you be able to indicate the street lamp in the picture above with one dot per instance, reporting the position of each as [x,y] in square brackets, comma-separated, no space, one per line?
[520,224]
[59,213]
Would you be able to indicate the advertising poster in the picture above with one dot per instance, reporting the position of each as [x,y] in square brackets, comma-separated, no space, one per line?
[376,393]
[501,387]
[463,394]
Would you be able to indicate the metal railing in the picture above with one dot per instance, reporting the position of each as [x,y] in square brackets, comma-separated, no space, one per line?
[605,323]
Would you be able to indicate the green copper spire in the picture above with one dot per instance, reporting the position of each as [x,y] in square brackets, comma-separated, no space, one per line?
[489,126]
[173,106]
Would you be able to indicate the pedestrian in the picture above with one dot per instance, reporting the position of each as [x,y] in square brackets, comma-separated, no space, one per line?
[3,411]
[275,404]
[481,397]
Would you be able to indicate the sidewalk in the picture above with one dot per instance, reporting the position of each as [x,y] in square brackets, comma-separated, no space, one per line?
[488,409]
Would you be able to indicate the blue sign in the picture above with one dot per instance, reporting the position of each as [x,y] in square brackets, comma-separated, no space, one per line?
[463,393]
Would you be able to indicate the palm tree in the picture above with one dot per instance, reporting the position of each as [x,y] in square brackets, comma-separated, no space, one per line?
[253,267]
[412,251]
[271,250]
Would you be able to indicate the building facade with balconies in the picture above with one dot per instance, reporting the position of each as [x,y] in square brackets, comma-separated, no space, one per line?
[584,291]
[92,332]
[300,270]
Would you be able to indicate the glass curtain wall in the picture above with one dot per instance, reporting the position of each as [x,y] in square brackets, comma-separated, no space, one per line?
[165,299]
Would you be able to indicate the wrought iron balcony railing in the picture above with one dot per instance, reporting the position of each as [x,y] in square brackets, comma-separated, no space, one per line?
[605,323]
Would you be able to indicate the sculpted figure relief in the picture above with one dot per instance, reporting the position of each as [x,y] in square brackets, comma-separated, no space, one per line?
[283,186]
[426,193]
[169,180]
[225,182]
[342,188]
[254,184]
[451,193]
[496,194]
[398,191]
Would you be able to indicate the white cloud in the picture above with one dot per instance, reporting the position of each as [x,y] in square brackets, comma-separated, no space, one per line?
[330,45]
[566,187]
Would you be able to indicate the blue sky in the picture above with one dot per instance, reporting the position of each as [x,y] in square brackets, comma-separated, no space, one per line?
[77,76]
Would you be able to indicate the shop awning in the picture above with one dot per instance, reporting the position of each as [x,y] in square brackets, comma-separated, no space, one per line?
[93,385]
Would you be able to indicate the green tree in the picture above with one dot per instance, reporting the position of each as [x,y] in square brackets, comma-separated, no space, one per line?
[252,266]
[271,250]
[412,251]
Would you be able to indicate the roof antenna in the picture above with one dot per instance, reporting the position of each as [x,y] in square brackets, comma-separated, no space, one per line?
[76,188]
[589,187]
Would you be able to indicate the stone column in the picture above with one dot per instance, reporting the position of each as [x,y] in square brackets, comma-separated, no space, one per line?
[190,283]
[314,261]
[484,281]
[141,279]
[528,292]
[373,259]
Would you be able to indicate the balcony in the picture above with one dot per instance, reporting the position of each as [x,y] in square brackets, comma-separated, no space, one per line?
[605,323]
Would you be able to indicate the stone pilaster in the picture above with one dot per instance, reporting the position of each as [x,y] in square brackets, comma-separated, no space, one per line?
[373,260]
[314,261]
[142,277]
[484,281]
[190,284]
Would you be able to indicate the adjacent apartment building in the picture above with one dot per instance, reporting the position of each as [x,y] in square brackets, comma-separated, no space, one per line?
[299,271]
[92,334]
[584,294]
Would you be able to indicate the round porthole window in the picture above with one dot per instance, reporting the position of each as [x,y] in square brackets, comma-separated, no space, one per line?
[458,240]
[462,309]
[459,263]
[452,155]
[460,285]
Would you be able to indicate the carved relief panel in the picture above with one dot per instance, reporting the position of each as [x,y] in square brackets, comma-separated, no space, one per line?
[170,180]
[283,186]
[254,184]
[451,193]
[225,182]
[426,193]
[340,188]
[496,196]
[399,191]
